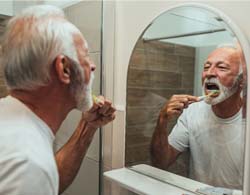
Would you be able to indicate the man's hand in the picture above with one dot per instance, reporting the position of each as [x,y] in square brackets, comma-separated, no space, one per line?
[70,156]
[101,113]
[176,104]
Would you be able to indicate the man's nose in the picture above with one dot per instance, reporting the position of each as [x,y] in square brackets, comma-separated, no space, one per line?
[92,66]
[211,72]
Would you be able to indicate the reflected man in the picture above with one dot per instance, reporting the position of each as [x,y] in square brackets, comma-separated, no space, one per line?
[211,129]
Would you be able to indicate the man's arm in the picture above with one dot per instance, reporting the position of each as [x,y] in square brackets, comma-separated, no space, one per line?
[70,156]
[162,153]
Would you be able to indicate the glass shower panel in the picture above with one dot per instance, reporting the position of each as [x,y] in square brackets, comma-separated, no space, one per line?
[3,89]
[87,17]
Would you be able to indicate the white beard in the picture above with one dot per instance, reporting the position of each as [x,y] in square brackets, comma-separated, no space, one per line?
[81,91]
[84,100]
[225,92]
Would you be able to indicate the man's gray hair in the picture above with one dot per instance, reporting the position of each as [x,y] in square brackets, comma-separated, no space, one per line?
[31,42]
[227,45]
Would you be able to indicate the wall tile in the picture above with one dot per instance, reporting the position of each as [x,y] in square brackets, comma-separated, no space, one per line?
[137,154]
[142,59]
[3,91]
[3,88]
[138,139]
[181,50]
[139,116]
[187,80]
[107,145]
[87,179]
[167,62]
[157,79]
[145,97]
[157,71]
[86,15]
[187,64]
[66,130]
[138,58]
[151,97]
[144,130]
[118,148]
[157,46]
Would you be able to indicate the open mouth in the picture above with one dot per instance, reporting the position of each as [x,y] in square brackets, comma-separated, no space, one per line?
[212,90]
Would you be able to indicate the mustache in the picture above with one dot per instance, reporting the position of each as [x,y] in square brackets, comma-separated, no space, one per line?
[216,81]
[212,80]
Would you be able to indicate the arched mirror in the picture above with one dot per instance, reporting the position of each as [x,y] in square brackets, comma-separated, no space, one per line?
[186,93]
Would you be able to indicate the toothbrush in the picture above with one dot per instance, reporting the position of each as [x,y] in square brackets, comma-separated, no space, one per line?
[213,92]
[95,99]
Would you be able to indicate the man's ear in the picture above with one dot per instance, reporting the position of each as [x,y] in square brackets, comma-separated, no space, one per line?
[62,67]
[241,81]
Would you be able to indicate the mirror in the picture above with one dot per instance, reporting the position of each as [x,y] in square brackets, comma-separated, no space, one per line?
[187,79]
[3,21]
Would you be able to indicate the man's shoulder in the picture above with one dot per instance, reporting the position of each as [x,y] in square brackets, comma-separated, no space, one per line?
[17,164]
[24,143]
[12,112]
[25,174]
[18,157]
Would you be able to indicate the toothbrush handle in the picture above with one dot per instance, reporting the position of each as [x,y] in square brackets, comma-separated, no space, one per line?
[201,98]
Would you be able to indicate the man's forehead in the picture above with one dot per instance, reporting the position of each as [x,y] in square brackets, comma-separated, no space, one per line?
[80,42]
[81,46]
[224,53]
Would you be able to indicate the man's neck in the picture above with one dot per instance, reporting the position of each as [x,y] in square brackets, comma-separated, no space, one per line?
[229,107]
[46,104]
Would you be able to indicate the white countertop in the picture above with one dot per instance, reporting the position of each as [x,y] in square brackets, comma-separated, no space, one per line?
[147,180]
[142,184]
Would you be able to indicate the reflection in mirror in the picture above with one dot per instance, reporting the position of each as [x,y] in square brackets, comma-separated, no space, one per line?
[3,22]
[185,99]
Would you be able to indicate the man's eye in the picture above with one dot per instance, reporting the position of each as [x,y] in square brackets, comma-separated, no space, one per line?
[206,66]
[223,67]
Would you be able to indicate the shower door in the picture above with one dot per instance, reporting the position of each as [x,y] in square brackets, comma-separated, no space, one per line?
[87,17]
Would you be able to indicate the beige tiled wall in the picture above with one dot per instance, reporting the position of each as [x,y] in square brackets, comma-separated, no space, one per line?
[157,70]
[3,89]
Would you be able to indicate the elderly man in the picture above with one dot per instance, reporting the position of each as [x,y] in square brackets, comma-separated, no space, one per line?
[48,72]
[211,129]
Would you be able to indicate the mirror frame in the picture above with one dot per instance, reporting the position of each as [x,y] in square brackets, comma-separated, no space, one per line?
[242,39]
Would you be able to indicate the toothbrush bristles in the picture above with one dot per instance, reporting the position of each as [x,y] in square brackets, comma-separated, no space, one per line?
[213,92]
[95,99]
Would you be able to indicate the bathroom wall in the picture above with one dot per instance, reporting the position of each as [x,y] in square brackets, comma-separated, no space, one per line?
[3,89]
[124,21]
[157,70]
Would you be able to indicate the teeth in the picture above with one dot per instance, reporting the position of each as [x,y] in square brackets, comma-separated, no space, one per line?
[212,86]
